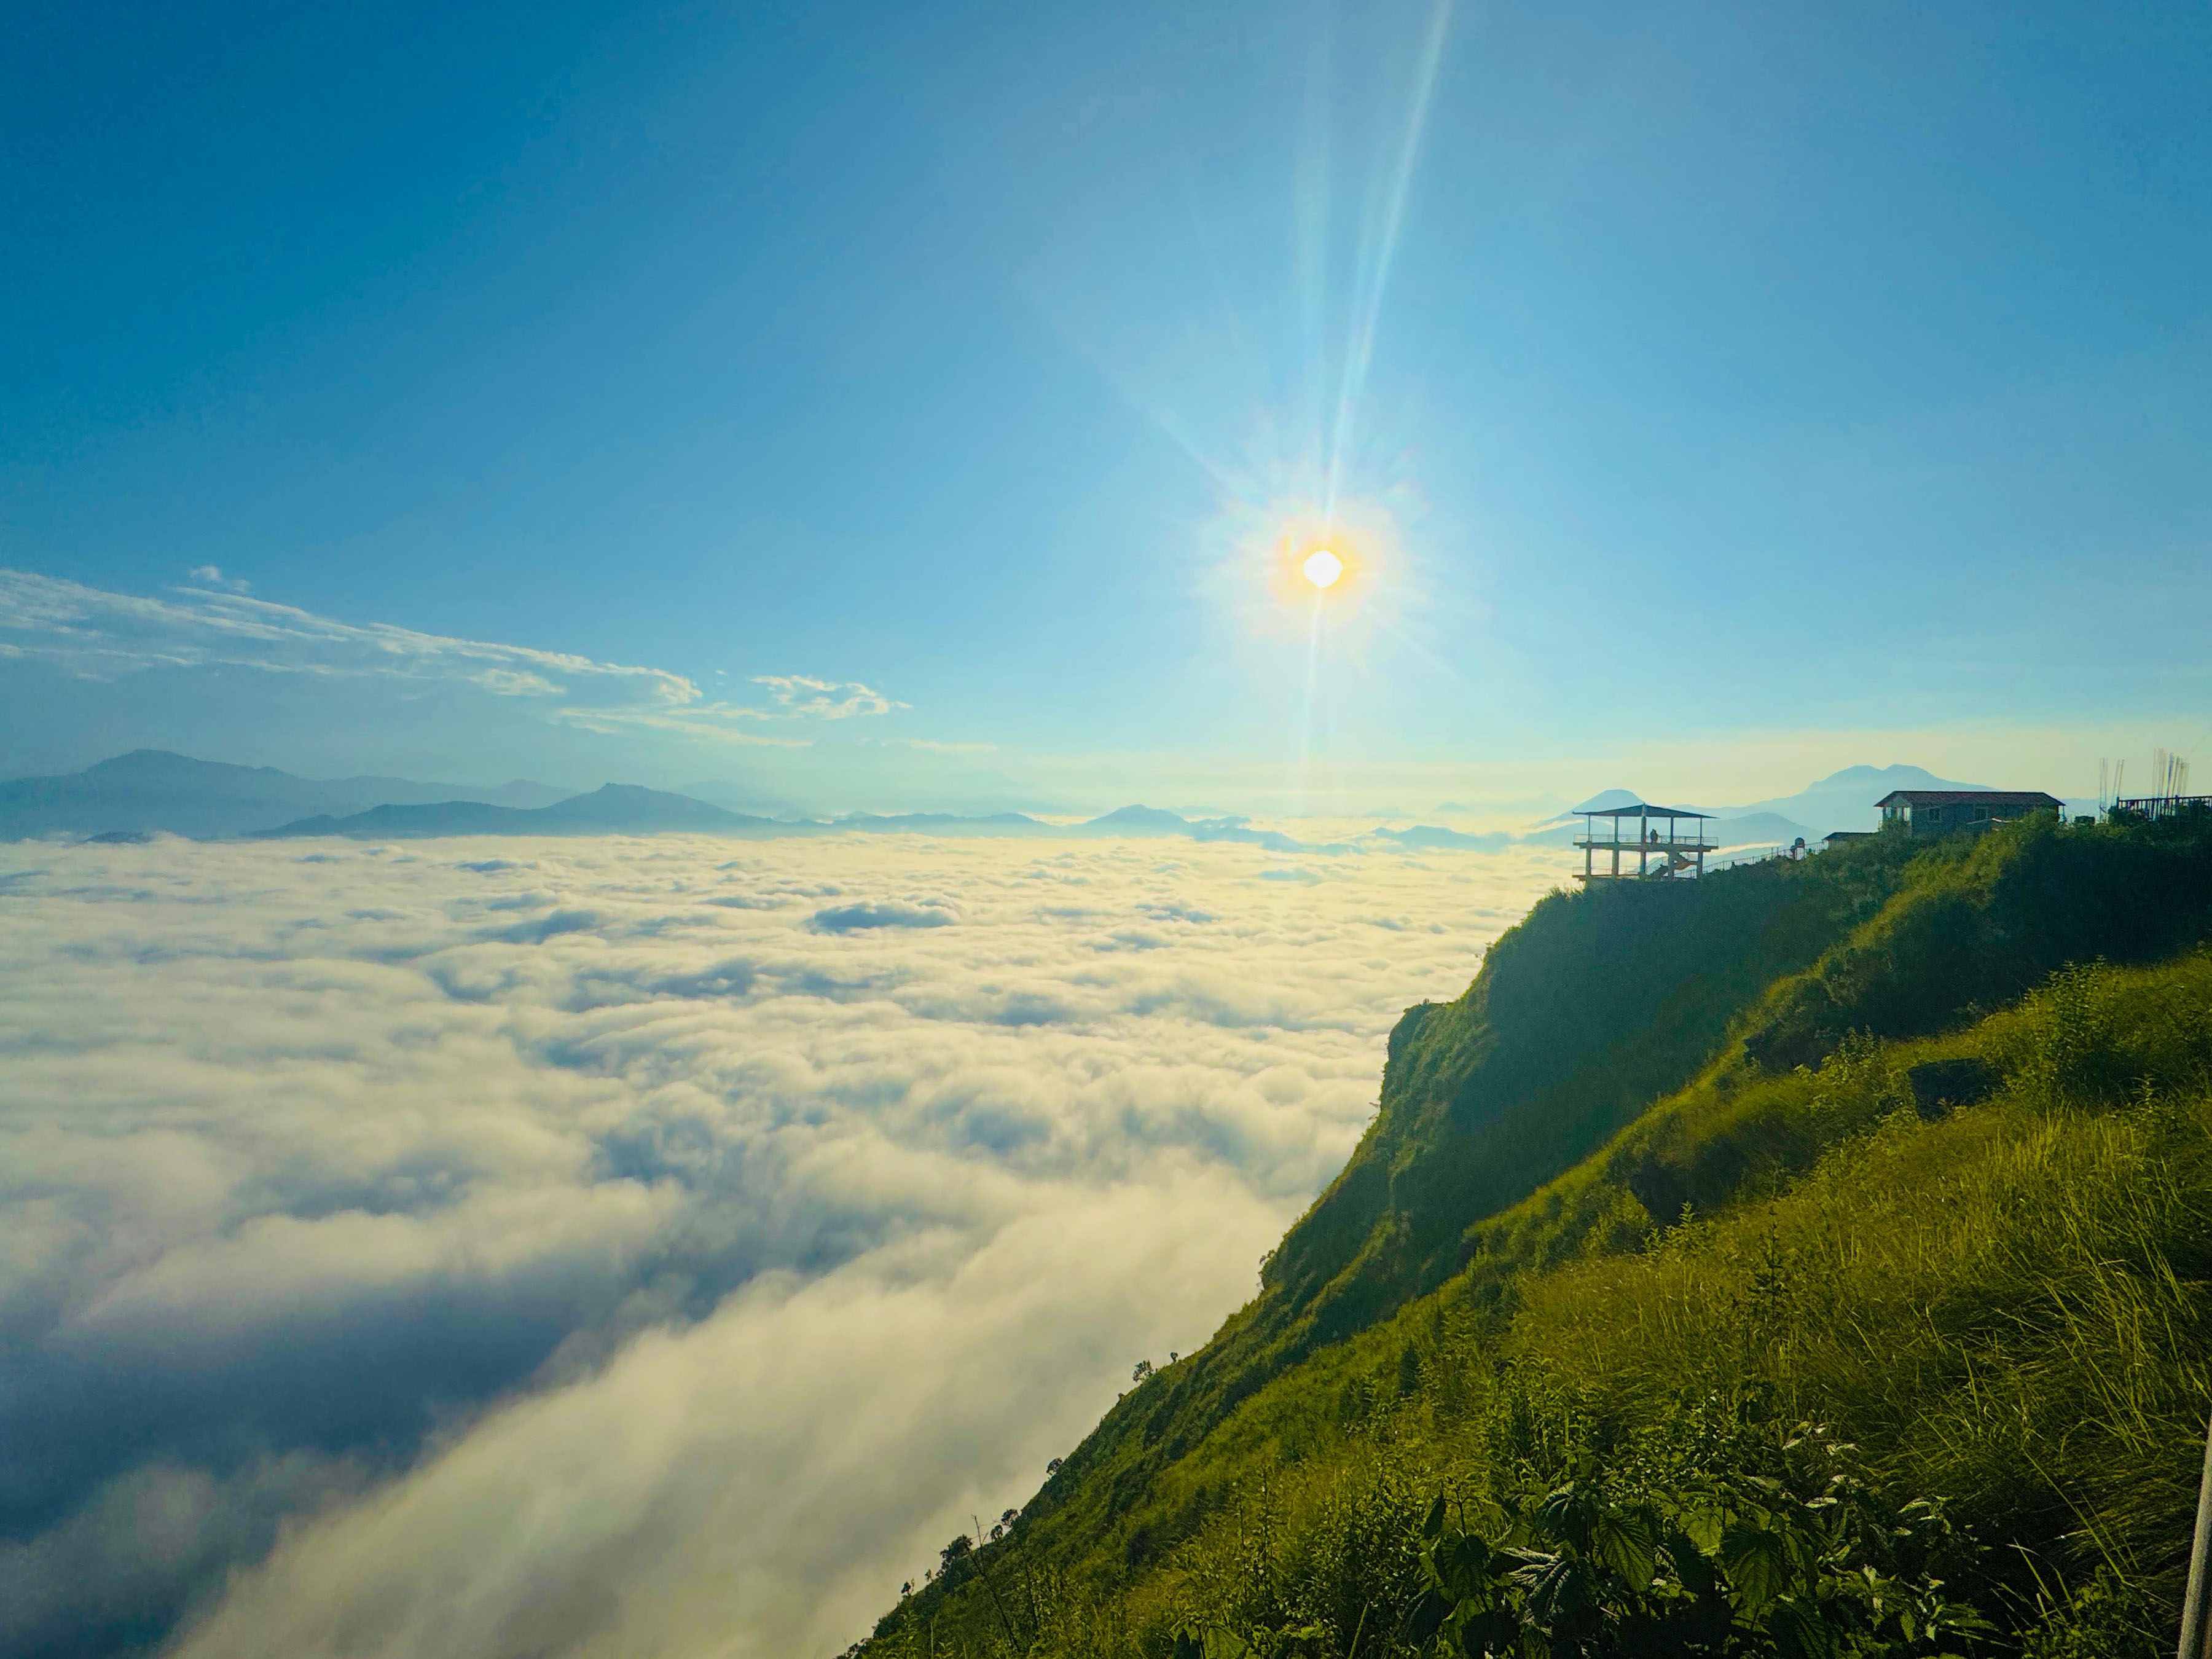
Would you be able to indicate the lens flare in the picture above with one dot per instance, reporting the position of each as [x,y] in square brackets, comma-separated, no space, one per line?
[1322,567]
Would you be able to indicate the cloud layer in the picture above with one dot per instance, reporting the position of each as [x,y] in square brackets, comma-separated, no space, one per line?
[99,635]
[623,1246]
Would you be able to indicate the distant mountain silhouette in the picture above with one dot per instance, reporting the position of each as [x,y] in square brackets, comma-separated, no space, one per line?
[1422,836]
[401,791]
[152,789]
[1156,821]
[1845,800]
[1842,801]
[1769,829]
[615,809]
[1136,821]
[1606,800]
[624,809]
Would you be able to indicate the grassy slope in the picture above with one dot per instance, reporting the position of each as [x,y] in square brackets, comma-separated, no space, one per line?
[1420,1253]
[1593,1006]
[2009,1307]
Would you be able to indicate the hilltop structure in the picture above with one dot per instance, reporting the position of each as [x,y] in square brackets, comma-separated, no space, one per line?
[1656,858]
[1922,813]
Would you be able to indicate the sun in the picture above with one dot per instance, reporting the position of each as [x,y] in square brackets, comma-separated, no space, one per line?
[1316,565]
[1322,567]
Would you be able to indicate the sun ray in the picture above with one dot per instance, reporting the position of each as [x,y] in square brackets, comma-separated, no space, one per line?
[1302,770]
[1374,275]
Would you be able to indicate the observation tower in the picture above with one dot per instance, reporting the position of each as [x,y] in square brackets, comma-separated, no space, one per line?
[1658,858]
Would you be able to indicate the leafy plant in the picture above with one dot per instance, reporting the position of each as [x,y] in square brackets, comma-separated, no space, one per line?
[1792,1553]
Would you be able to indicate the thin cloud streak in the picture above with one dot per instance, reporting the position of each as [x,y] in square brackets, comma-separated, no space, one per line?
[95,633]
[829,700]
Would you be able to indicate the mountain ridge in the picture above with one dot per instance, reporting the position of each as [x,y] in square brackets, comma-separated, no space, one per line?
[611,809]
[157,790]
[148,790]
[1529,1129]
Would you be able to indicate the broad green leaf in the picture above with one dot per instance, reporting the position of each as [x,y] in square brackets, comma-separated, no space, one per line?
[1625,1542]
[1553,1590]
[1703,1523]
[1758,1566]
[1566,1514]
[1466,1564]
[1427,1614]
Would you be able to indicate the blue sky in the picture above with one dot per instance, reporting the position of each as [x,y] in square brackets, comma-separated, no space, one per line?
[1721,397]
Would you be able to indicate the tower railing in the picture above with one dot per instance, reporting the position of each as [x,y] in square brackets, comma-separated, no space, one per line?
[1676,854]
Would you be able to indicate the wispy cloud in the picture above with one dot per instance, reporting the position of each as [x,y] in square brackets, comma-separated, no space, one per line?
[99,635]
[723,722]
[515,683]
[212,576]
[828,700]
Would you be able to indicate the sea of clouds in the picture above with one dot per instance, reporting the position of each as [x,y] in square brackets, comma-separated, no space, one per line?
[637,1247]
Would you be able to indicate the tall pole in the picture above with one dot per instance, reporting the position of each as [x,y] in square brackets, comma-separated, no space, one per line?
[2196,1609]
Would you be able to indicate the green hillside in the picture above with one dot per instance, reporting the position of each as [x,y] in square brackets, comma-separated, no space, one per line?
[1908,1145]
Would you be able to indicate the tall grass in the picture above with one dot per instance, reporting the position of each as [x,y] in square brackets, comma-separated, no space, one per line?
[2008,1309]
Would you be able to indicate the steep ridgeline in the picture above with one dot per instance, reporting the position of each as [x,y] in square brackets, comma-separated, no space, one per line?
[1597,1004]
[1623,1052]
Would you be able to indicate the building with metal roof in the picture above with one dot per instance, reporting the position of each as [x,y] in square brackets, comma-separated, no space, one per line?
[1952,811]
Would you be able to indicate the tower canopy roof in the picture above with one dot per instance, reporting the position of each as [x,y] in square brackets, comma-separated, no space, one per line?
[1638,810]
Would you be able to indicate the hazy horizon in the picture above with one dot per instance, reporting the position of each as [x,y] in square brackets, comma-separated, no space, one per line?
[1761,769]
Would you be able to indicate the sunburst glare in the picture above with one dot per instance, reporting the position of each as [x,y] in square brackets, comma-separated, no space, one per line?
[1320,546]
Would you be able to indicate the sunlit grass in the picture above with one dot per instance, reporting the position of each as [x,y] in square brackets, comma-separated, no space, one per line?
[2006,1307]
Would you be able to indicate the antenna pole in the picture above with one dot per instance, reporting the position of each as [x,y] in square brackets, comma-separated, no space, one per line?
[2196,1610]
